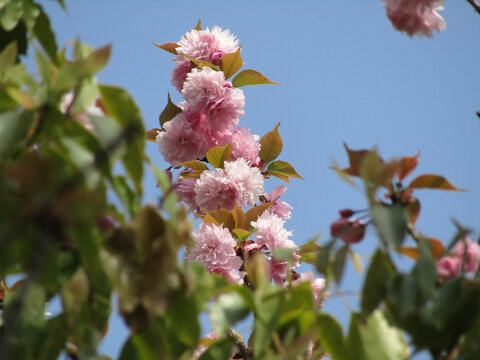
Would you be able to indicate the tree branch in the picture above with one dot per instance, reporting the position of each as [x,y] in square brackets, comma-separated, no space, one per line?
[475,5]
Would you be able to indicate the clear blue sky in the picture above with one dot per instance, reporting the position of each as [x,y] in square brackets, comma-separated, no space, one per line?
[346,76]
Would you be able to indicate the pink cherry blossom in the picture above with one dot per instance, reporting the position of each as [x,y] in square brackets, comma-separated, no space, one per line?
[320,293]
[349,230]
[249,181]
[245,145]
[179,73]
[207,91]
[208,45]
[215,190]
[471,256]
[185,189]
[271,232]
[279,208]
[448,267]
[215,248]
[81,117]
[180,142]
[416,17]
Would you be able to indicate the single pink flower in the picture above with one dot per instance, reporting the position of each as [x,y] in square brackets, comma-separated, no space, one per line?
[271,232]
[448,267]
[215,248]
[214,190]
[349,230]
[249,181]
[208,45]
[179,73]
[179,142]
[245,145]
[279,208]
[416,17]
[471,256]
[207,91]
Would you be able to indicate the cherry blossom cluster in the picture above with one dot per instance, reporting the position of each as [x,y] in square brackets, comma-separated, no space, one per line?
[207,118]
[416,17]
[466,254]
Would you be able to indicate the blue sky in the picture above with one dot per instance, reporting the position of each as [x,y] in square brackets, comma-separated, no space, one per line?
[346,76]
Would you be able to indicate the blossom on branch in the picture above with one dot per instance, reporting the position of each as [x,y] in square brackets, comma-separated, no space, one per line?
[215,248]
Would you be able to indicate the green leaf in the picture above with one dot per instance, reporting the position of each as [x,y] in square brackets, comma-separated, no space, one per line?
[426,270]
[375,285]
[309,251]
[241,234]
[267,314]
[271,145]
[339,263]
[374,338]
[221,217]
[323,257]
[391,223]
[120,105]
[430,181]
[227,310]
[97,60]
[44,34]
[217,155]
[170,47]
[8,56]
[201,64]
[170,111]
[251,77]
[331,337]
[11,15]
[182,317]
[126,195]
[218,350]
[283,168]
[14,127]
[231,63]
[162,177]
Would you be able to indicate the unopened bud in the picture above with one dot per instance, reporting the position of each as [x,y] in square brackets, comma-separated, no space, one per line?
[349,230]
[346,213]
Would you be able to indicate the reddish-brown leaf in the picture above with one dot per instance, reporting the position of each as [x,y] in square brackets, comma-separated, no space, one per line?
[413,209]
[355,158]
[151,135]
[254,213]
[432,181]
[169,46]
[407,165]
[437,247]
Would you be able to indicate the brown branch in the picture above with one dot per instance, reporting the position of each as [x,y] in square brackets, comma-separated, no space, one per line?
[475,5]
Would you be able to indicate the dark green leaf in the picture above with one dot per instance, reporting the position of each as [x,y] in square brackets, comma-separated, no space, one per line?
[43,32]
[218,350]
[391,223]
[331,337]
[375,285]
[267,315]
[14,127]
[339,263]
[323,257]
[426,270]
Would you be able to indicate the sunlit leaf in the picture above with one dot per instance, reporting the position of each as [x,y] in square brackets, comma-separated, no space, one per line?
[220,217]
[231,63]
[97,59]
[201,64]
[170,111]
[431,181]
[413,209]
[355,159]
[241,234]
[271,145]
[169,46]
[251,77]
[239,217]
[8,56]
[217,155]
[283,168]
[356,260]
[11,15]
[198,27]
[194,165]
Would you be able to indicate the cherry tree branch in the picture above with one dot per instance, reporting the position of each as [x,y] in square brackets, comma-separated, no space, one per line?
[475,5]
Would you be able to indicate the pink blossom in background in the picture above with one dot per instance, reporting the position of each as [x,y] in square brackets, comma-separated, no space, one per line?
[416,17]
[279,208]
[207,91]
[349,230]
[471,256]
[81,117]
[180,142]
[215,248]
[278,270]
[249,181]
[245,145]
[448,267]
[271,232]
[185,189]
[215,190]
[208,45]
[320,293]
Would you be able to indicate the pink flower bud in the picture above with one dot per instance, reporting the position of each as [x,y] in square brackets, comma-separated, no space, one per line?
[346,213]
[448,267]
[349,230]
